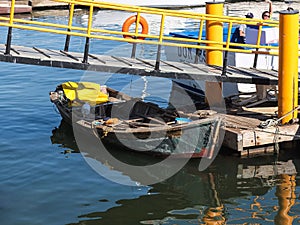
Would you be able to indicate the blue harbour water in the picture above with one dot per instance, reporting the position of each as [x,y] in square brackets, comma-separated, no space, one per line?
[45,180]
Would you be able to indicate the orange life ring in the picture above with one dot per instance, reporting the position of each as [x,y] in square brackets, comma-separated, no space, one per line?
[130,21]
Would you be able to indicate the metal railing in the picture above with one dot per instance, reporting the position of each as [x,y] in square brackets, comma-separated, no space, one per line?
[159,38]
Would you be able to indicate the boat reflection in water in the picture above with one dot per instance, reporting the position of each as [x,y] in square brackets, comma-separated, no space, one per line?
[261,190]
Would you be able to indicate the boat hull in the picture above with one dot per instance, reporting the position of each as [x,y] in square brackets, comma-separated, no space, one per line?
[144,127]
[187,140]
[237,59]
[190,140]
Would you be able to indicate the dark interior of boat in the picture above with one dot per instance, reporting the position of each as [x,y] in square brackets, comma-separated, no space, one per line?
[147,110]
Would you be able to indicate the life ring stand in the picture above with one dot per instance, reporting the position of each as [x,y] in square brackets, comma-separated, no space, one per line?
[128,22]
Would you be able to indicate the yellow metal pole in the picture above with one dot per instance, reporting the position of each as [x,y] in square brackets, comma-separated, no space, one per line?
[68,37]
[71,14]
[288,65]
[12,12]
[88,31]
[9,32]
[90,22]
[214,32]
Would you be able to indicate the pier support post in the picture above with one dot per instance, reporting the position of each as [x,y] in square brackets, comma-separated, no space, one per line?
[214,32]
[68,37]
[9,33]
[288,65]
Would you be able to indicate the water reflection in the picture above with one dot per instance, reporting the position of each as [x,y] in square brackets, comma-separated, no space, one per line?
[261,190]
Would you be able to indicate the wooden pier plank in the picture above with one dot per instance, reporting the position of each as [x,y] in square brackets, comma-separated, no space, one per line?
[233,139]
[135,66]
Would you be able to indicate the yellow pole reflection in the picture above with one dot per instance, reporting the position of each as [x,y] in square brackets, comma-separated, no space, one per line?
[285,193]
[214,215]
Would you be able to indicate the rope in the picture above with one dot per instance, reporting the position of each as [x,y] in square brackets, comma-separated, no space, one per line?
[268,123]
[276,144]
[273,122]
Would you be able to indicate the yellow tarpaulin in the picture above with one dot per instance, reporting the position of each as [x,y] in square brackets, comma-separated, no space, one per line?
[84,92]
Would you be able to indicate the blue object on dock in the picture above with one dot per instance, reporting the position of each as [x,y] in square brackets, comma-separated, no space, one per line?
[195,34]
[180,120]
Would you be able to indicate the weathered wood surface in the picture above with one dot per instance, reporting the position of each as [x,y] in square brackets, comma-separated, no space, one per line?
[47,4]
[243,133]
[143,67]
[19,8]
[266,171]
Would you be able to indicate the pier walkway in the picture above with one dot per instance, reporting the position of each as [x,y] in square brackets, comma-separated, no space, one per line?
[136,66]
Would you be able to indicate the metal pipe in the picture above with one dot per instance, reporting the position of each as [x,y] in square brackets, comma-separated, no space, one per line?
[9,32]
[224,69]
[214,32]
[255,59]
[87,40]
[157,63]
[133,51]
[86,50]
[8,41]
[68,37]
[161,33]
[288,65]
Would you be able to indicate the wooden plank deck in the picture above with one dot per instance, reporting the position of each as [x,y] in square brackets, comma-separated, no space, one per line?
[244,135]
[143,67]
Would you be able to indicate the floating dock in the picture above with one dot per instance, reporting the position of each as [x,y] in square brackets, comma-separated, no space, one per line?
[244,135]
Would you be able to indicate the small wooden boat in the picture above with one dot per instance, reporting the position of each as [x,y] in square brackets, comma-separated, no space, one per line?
[141,126]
